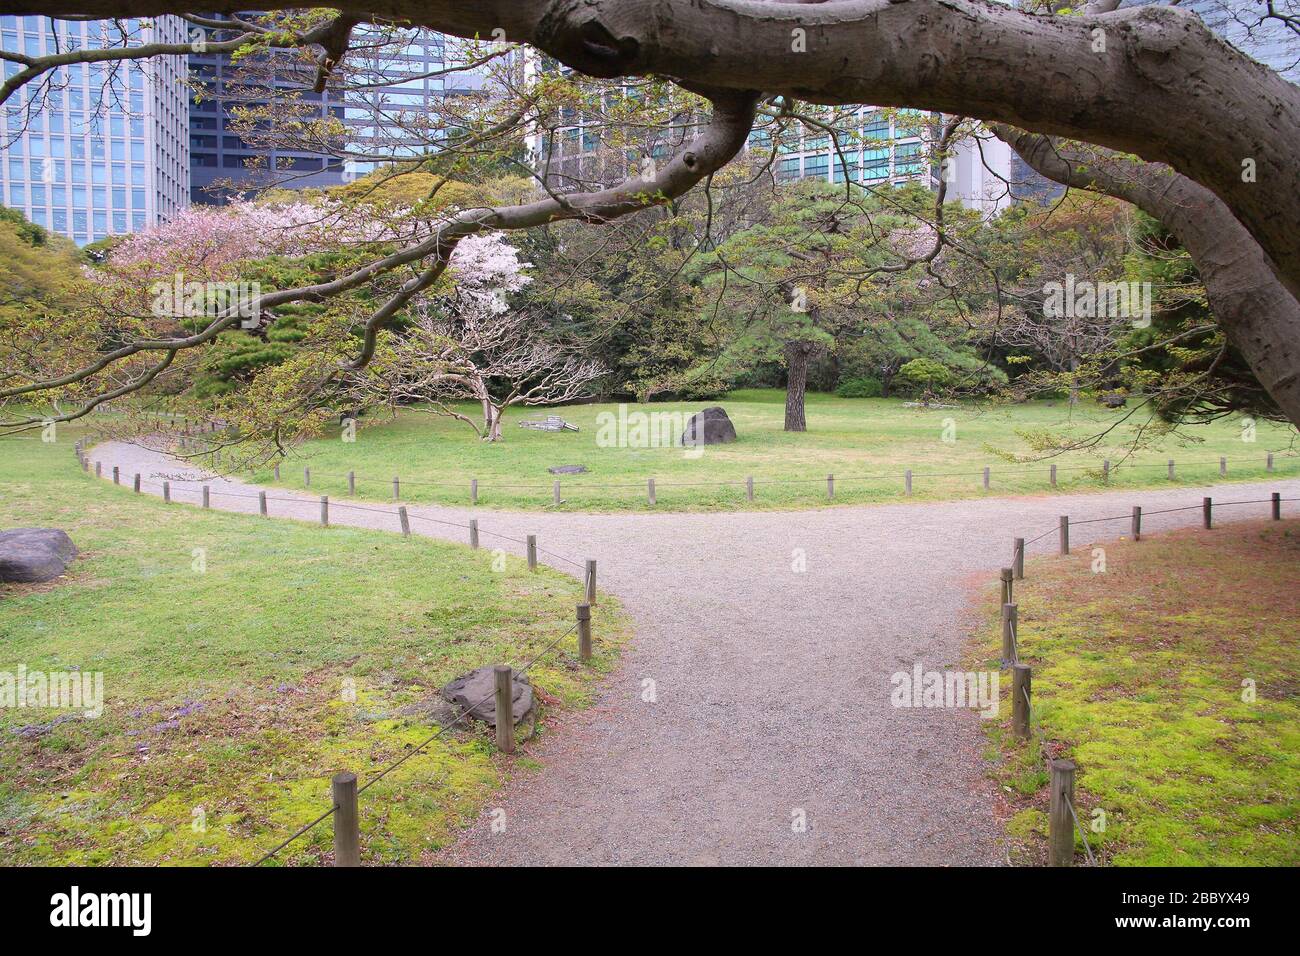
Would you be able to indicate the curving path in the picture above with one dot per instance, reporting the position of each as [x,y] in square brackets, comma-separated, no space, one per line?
[772,685]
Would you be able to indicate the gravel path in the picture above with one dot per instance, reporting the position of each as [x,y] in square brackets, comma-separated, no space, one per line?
[772,685]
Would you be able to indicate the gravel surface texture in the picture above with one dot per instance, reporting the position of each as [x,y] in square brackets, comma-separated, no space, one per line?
[771,683]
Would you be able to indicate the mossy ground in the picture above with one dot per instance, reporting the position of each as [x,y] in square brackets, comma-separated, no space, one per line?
[226,713]
[1141,676]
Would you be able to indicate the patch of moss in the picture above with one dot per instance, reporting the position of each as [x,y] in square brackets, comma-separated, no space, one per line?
[1141,676]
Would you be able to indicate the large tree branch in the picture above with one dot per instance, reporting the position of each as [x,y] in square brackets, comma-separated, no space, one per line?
[1257,313]
[1150,80]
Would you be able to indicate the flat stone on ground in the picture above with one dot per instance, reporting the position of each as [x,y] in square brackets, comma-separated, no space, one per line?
[567,469]
[476,693]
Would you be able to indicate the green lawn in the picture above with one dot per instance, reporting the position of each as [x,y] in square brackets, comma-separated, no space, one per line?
[866,443]
[1140,676]
[224,688]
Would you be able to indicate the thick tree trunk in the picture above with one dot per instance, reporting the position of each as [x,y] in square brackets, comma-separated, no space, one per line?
[491,419]
[797,355]
[1259,315]
[887,373]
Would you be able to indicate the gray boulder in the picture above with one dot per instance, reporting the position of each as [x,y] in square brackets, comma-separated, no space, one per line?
[709,427]
[32,555]
[476,693]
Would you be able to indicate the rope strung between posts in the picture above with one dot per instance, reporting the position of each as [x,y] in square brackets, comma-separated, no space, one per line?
[419,748]
[163,485]
[1012,625]
[1017,470]
[1079,826]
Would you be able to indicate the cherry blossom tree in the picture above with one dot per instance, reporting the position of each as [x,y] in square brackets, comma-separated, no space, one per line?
[472,344]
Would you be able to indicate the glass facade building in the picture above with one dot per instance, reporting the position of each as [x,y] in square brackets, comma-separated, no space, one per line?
[393,93]
[221,161]
[97,149]
[876,147]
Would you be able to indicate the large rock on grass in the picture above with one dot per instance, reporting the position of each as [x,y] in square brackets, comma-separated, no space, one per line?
[476,693]
[709,427]
[32,555]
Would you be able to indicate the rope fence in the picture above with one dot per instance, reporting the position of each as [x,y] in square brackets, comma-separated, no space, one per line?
[1063,819]
[344,789]
[474,487]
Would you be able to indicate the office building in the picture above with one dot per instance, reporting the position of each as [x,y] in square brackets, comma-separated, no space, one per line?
[101,149]
[385,112]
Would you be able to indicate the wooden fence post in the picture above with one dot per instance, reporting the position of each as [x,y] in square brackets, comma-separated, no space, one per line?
[1060,820]
[1053,476]
[167,492]
[650,490]
[473,532]
[1207,507]
[1065,534]
[1020,697]
[1018,558]
[347,826]
[1269,465]
[532,552]
[473,491]
[1277,506]
[324,511]
[907,482]
[135,485]
[206,499]
[986,478]
[555,493]
[1010,621]
[1223,466]
[116,480]
[277,471]
[830,487]
[261,503]
[1171,469]
[1105,471]
[1137,523]
[1005,576]
[749,488]
[591,580]
[397,489]
[98,467]
[85,463]
[352,483]
[505,709]
[584,632]
[405,521]
[306,477]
